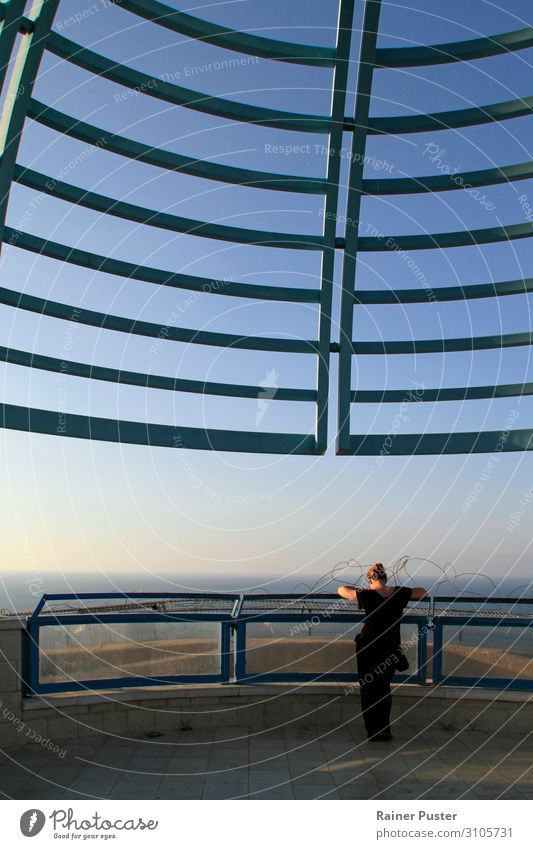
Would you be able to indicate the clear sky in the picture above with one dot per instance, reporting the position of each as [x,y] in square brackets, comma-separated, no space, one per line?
[72,505]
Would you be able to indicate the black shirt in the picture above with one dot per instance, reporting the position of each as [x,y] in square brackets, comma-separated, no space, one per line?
[383,615]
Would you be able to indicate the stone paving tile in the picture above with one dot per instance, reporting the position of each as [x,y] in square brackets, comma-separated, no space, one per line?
[219,788]
[268,761]
[192,752]
[148,766]
[135,787]
[224,763]
[40,790]
[284,792]
[183,767]
[315,791]
[358,790]
[10,787]
[348,770]
[175,787]
[518,774]
[317,779]
[261,780]
[87,788]
[101,761]
[443,790]
[15,771]
[205,763]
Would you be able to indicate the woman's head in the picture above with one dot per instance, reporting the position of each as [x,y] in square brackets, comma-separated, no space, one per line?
[377,574]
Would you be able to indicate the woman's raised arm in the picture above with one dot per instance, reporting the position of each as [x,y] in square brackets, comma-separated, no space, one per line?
[348,593]
[418,592]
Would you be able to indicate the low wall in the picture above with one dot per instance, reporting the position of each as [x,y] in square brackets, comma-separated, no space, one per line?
[154,710]
[11,631]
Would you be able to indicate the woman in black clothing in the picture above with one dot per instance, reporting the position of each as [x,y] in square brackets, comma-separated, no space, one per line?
[378,646]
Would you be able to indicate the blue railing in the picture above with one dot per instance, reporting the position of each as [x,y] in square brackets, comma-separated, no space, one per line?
[107,640]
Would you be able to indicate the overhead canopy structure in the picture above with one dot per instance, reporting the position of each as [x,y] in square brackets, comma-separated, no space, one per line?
[344,133]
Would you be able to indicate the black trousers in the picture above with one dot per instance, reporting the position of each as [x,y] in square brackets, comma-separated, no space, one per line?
[376,666]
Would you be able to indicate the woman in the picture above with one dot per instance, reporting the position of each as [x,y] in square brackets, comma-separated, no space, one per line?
[378,646]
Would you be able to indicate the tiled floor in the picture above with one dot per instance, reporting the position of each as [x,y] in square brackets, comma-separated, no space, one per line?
[294,762]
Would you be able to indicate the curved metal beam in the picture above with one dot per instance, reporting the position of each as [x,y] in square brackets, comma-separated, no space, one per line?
[176,280]
[485,442]
[454,51]
[231,110]
[156,435]
[452,119]
[455,239]
[67,312]
[267,48]
[151,381]
[438,346]
[163,220]
[462,393]
[132,149]
[444,293]
[447,182]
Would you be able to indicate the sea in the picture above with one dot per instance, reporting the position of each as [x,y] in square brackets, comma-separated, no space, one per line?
[20,593]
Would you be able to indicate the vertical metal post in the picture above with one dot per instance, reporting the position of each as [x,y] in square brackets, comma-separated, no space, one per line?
[422,653]
[18,95]
[355,185]
[240,651]
[12,13]
[338,105]
[31,658]
[437,651]
[224,651]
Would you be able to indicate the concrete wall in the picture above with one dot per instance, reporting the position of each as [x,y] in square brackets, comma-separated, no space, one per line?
[130,713]
[10,681]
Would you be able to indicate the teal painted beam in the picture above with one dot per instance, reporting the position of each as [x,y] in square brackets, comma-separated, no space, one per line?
[456,239]
[151,381]
[67,312]
[167,160]
[440,294]
[163,220]
[10,16]
[421,394]
[229,39]
[438,346]
[157,276]
[452,119]
[448,182]
[24,66]
[156,435]
[455,51]
[221,107]
[485,442]
[353,209]
[327,269]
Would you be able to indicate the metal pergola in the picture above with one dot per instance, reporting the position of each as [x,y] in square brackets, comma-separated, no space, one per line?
[23,41]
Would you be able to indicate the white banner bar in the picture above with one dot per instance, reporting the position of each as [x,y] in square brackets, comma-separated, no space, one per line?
[267,824]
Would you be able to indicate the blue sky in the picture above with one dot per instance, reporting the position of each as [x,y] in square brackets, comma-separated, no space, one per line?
[75,506]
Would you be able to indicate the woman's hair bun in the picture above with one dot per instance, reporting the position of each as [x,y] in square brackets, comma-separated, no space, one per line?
[377,571]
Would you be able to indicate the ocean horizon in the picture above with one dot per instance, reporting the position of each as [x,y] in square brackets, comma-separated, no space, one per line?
[20,593]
